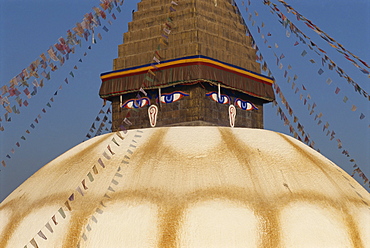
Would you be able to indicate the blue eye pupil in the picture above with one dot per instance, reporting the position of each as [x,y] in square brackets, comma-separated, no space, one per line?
[244,105]
[168,98]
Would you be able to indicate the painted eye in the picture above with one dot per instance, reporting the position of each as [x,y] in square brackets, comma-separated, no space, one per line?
[172,97]
[224,99]
[244,105]
[136,103]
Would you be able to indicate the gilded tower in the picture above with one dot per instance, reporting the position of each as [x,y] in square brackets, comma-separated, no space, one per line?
[192,62]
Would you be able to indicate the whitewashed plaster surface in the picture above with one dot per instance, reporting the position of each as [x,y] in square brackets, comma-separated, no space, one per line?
[188,187]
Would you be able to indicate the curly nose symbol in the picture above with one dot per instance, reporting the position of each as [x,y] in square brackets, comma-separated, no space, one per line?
[232,115]
[153,112]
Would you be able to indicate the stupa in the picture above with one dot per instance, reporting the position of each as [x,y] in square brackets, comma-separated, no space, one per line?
[187,163]
[185,58]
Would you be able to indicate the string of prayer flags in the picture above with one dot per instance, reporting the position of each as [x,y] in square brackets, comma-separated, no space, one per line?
[328,39]
[300,127]
[72,198]
[286,121]
[59,52]
[318,50]
[329,81]
[104,110]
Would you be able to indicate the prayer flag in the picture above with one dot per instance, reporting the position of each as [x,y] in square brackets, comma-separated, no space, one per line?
[149,78]
[156,52]
[337,90]
[90,176]
[71,197]
[110,150]
[106,155]
[168,25]
[114,141]
[156,60]
[151,72]
[61,211]
[95,170]
[52,54]
[127,121]
[100,161]
[94,219]
[33,242]
[42,235]
[9,109]
[119,135]
[164,42]
[79,190]
[66,203]
[362,116]
[167,31]
[48,226]
[143,91]
[123,129]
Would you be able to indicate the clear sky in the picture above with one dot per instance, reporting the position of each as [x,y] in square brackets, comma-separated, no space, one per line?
[29,27]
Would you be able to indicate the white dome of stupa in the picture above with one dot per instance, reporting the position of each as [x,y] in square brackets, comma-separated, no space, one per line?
[188,187]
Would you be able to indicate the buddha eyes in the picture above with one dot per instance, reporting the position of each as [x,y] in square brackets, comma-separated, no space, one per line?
[244,105]
[223,99]
[177,95]
[136,103]
[172,97]
[142,102]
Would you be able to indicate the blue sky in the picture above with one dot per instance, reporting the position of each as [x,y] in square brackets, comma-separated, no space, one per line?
[29,27]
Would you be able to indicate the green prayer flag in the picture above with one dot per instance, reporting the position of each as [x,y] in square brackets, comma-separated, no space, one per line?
[149,79]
